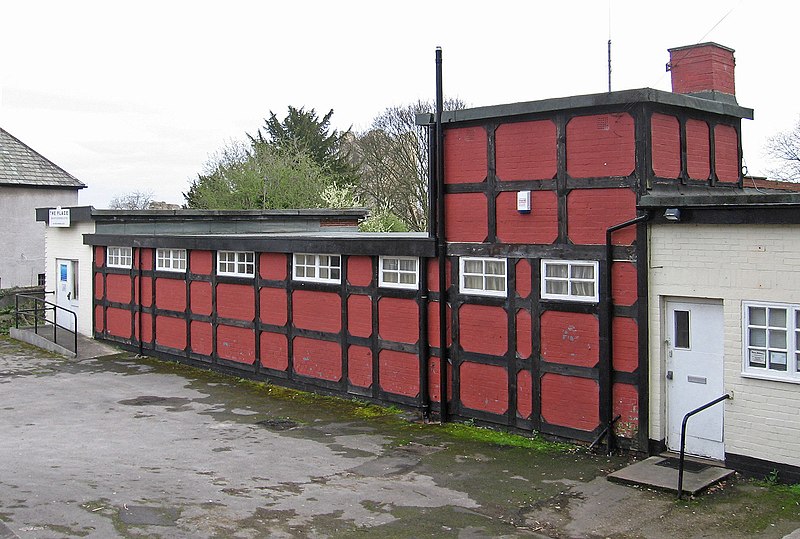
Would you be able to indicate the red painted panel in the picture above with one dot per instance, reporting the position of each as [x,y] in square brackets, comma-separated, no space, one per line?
[626,404]
[570,338]
[147,258]
[359,366]
[273,266]
[399,373]
[170,294]
[626,344]
[433,274]
[526,150]
[523,278]
[118,288]
[317,359]
[601,145]
[119,322]
[466,217]
[570,401]
[465,155]
[202,341]
[523,334]
[623,283]
[538,226]
[726,153]
[359,315]
[274,351]
[433,380]
[320,311]
[484,387]
[483,329]
[200,297]
[398,320]
[236,344]
[591,211]
[147,327]
[99,256]
[236,301]
[273,306]
[146,289]
[433,324]
[359,270]
[98,318]
[99,291]
[171,332]
[698,148]
[524,394]
[665,132]
[200,262]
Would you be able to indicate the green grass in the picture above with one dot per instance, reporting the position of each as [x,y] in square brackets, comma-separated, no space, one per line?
[467,431]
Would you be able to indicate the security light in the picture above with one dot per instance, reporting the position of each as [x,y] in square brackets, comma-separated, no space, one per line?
[672,214]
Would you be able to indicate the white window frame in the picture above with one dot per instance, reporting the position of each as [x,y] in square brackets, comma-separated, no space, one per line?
[569,296]
[383,271]
[242,266]
[483,291]
[171,260]
[792,349]
[119,257]
[320,263]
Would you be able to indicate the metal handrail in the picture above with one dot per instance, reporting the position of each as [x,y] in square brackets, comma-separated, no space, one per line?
[683,437]
[44,309]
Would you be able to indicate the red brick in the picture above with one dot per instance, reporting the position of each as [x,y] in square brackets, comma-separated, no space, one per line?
[465,155]
[539,226]
[274,351]
[99,289]
[591,211]
[118,288]
[319,311]
[146,334]
[624,283]
[483,329]
[570,338]
[601,145]
[526,150]
[171,294]
[147,258]
[236,301]
[666,145]
[484,387]
[99,256]
[524,394]
[171,332]
[626,344]
[466,217]
[359,270]
[200,297]
[399,373]
[273,266]
[433,274]
[273,306]
[236,344]
[569,401]
[433,380]
[98,318]
[317,359]
[398,320]
[200,262]
[146,289]
[433,324]
[202,338]
[359,366]
[359,315]
[523,278]
[698,148]
[626,405]
[702,68]
[726,155]
[523,334]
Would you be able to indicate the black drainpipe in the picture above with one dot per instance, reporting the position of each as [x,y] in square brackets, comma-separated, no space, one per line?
[441,244]
[141,329]
[607,367]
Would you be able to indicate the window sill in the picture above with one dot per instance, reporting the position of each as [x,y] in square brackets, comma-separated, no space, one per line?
[771,378]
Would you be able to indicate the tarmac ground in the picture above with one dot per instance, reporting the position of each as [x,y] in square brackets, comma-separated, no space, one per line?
[120,446]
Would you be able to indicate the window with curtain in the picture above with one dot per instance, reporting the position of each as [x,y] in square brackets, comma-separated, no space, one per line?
[398,272]
[483,276]
[570,280]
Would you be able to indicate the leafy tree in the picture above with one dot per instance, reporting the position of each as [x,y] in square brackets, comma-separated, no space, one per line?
[304,131]
[135,200]
[392,159]
[785,147]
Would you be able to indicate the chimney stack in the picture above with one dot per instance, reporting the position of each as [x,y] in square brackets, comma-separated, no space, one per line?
[703,70]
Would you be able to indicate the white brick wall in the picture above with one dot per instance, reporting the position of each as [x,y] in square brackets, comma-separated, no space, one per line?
[67,243]
[732,263]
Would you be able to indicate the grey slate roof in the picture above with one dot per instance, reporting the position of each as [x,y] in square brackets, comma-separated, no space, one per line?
[22,166]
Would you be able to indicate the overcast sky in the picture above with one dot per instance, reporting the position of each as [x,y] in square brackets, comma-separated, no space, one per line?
[136,95]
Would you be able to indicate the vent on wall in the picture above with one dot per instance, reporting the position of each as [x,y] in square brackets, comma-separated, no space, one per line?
[602,122]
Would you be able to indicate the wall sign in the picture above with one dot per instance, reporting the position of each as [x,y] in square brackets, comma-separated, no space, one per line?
[58,218]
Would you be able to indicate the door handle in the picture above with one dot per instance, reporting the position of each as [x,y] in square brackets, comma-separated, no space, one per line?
[670,375]
[69,295]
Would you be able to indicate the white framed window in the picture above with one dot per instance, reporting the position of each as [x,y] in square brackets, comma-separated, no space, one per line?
[171,260]
[570,280]
[483,276]
[317,268]
[771,340]
[119,257]
[398,272]
[236,263]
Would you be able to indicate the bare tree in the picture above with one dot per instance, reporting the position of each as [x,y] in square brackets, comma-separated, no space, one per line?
[135,200]
[392,158]
[785,147]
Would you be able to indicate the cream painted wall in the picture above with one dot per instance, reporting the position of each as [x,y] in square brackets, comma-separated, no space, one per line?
[67,243]
[732,263]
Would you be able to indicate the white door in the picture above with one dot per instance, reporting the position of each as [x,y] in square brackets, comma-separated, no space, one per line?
[694,376]
[66,291]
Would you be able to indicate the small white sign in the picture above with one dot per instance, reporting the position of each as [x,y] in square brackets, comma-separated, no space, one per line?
[524,201]
[59,218]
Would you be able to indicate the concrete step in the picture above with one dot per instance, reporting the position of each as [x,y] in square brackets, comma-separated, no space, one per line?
[661,472]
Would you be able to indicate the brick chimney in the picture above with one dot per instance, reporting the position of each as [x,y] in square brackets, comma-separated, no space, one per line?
[703,70]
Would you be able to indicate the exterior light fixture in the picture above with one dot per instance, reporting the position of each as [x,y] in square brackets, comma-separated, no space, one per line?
[672,214]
